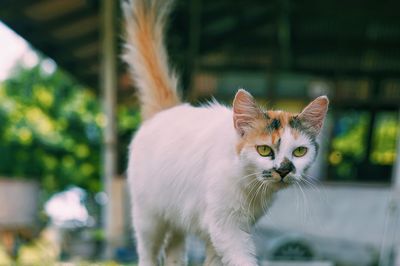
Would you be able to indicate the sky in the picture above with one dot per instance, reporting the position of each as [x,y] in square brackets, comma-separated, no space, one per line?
[13,49]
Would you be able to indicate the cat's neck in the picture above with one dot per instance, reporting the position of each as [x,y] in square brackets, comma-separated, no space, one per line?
[257,197]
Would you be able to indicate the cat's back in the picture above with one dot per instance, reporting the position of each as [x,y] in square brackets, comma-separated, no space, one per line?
[170,155]
[184,123]
[176,140]
[182,132]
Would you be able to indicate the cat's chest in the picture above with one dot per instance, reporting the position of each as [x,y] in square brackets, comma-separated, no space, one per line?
[258,201]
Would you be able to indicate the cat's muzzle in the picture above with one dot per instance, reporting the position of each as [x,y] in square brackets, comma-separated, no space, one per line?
[275,175]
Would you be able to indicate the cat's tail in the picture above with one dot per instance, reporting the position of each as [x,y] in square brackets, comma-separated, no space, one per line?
[146,54]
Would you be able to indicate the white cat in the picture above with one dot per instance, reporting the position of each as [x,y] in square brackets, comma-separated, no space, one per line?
[209,170]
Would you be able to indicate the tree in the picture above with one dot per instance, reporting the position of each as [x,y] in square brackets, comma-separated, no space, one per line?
[50,130]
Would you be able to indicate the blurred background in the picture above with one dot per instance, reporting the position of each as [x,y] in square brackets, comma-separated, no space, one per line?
[68,111]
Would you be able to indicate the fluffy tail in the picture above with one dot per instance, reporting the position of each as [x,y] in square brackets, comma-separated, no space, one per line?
[146,54]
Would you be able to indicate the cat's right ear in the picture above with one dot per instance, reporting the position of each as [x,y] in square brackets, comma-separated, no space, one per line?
[245,112]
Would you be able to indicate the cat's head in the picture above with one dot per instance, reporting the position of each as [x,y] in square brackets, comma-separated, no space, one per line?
[277,146]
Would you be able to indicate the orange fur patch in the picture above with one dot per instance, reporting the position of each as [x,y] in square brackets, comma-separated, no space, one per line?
[295,133]
[283,118]
[146,55]
[263,130]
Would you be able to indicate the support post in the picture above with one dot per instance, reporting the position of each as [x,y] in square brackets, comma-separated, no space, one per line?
[389,247]
[396,166]
[109,92]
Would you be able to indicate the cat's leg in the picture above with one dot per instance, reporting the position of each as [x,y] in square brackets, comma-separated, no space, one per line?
[212,258]
[150,234]
[175,252]
[233,242]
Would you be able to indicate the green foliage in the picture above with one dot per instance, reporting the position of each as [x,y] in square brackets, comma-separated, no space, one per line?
[51,130]
[348,143]
[350,140]
[384,139]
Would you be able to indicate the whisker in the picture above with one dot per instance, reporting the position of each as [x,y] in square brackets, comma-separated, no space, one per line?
[312,179]
[255,173]
[297,200]
[252,186]
[266,199]
[312,182]
[263,185]
[251,203]
[313,186]
[258,191]
[305,203]
[243,178]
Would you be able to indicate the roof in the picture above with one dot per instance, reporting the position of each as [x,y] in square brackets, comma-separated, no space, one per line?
[330,37]
[65,30]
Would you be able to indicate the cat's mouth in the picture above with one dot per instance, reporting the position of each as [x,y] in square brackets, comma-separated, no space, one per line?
[277,178]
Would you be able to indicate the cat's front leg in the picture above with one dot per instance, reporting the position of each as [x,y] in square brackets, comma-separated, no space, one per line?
[212,258]
[232,242]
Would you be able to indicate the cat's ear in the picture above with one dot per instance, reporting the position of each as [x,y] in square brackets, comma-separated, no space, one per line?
[313,115]
[245,111]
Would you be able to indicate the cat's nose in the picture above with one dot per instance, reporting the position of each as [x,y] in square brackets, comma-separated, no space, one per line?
[283,172]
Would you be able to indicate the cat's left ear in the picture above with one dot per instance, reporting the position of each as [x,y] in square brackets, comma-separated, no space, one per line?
[313,115]
[245,112]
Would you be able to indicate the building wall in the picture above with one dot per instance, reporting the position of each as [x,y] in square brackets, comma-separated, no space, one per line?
[351,213]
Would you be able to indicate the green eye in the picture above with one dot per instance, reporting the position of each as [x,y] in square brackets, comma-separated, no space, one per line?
[264,150]
[300,151]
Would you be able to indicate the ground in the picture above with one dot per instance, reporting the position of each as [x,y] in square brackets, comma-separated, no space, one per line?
[41,252]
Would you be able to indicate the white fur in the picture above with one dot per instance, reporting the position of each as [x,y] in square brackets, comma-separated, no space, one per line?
[185,172]
[186,176]
[287,145]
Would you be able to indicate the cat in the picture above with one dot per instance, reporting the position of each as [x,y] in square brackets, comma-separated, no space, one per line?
[212,170]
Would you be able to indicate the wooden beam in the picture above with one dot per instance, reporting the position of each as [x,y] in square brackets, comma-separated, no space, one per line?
[356,9]
[335,45]
[75,43]
[240,66]
[334,72]
[234,33]
[68,19]
[10,9]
